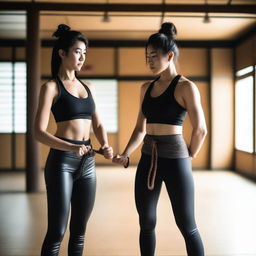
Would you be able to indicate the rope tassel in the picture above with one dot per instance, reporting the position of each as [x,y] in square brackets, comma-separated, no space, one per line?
[153,166]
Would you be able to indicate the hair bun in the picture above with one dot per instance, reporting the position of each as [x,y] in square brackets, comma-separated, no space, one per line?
[62,29]
[169,30]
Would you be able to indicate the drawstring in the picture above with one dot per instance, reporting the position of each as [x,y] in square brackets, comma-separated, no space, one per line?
[153,166]
[89,153]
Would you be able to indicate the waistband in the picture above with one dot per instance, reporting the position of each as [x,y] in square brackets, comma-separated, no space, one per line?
[166,146]
[79,142]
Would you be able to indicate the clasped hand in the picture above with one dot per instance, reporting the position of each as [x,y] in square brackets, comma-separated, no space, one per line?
[120,159]
[107,151]
[81,150]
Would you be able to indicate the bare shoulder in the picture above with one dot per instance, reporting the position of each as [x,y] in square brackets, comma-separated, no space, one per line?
[50,87]
[51,84]
[187,87]
[185,83]
[90,86]
[145,86]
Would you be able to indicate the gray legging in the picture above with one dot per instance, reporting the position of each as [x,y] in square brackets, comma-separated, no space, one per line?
[176,173]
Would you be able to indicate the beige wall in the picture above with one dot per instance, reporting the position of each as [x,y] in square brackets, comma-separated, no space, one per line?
[222,108]
[126,62]
[245,162]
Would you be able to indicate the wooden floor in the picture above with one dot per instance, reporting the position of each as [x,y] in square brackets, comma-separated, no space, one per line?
[225,211]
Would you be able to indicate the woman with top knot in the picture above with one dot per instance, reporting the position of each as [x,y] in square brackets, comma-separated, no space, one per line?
[165,155]
[70,168]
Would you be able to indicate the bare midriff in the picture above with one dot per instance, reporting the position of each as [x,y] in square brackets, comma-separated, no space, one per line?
[77,129]
[163,129]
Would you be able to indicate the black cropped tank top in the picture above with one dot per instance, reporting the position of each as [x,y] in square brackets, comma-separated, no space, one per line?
[163,109]
[68,107]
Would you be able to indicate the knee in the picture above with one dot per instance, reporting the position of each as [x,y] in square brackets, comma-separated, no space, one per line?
[187,231]
[147,224]
[56,234]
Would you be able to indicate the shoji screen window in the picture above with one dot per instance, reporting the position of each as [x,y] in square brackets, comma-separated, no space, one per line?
[106,100]
[244,110]
[12,97]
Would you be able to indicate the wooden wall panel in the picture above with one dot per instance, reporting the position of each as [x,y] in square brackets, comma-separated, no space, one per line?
[222,110]
[246,53]
[245,162]
[5,53]
[20,53]
[132,62]
[20,150]
[193,62]
[5,150]
[99,61]
[46,55]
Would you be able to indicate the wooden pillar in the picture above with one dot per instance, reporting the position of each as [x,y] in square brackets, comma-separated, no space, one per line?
[33,80]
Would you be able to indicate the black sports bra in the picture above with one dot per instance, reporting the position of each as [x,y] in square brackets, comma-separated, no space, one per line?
[68,107]
[163,109]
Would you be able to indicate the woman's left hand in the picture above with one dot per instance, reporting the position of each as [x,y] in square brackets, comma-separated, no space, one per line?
[107,152]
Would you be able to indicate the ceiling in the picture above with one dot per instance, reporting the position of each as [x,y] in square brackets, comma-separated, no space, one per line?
[134,25]
[224,2]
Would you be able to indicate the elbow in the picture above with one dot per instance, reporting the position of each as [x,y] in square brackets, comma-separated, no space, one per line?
[201,132]
[38,133]
[97,128]
[139,130]
[204,131]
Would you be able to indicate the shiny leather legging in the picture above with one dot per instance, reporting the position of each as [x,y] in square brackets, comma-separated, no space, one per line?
[65,188]
[177,176]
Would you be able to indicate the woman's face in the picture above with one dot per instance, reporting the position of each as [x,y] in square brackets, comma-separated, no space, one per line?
[157,61]
[75,57]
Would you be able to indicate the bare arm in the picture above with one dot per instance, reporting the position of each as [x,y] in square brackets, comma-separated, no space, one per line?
[101,136]
[99,130]
[47,94]
[192,101]
[138,133]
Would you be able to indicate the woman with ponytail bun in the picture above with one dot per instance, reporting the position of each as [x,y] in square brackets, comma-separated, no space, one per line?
[62,29]
[165,156]
[169,30]
[70,167]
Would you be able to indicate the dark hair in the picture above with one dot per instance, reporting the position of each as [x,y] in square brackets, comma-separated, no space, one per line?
[66,39]
[165,39]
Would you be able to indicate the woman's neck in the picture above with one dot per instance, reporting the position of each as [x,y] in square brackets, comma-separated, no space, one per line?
[169,73]
[67,74]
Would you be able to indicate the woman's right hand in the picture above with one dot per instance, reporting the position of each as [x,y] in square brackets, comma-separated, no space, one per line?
[80,150]
[120,159]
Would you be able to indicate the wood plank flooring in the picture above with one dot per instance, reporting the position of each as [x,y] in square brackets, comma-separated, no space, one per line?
[225,212]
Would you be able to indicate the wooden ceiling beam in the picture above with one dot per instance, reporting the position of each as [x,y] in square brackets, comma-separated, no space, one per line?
[49,6]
